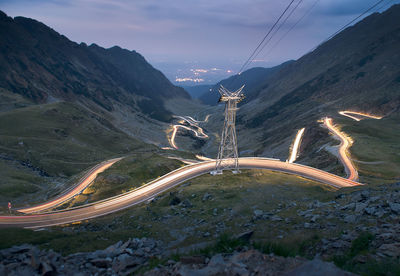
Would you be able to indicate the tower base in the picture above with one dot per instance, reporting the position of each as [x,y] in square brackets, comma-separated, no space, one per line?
[215,172]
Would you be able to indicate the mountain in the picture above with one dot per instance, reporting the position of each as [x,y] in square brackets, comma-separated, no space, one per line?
[358,69]
[65,107]
[44,66]
[198,90]
[251,78]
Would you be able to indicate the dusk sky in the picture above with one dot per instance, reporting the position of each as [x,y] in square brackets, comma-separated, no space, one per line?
[178,35]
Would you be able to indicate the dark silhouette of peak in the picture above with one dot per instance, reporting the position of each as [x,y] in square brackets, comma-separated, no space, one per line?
[39,63]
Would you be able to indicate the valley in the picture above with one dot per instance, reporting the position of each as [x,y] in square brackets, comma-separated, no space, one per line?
[99,149]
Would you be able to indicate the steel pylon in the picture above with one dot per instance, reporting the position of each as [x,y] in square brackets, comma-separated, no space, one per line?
[227,158]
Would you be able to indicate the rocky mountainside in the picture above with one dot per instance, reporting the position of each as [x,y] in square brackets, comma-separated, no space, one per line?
[44,66]
[358,69]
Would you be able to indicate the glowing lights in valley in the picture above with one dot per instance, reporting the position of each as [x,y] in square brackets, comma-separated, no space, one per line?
[189,79]
[296,146]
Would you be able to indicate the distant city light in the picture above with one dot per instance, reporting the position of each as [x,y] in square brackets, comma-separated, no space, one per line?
[189,79]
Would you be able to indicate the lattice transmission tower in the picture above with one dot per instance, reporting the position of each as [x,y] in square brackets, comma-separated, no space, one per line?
[227,158]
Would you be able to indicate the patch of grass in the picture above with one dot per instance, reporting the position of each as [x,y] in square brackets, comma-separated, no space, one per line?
[57,140]
[296,246]
[376,146]
[359,246]
[224,244]
[127,174]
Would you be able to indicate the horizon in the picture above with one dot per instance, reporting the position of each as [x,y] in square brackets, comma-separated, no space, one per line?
[158,27]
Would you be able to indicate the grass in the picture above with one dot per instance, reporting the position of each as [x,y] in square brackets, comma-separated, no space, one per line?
[53,142]
[376,145]
[127,174]
[234,196]
[360,246]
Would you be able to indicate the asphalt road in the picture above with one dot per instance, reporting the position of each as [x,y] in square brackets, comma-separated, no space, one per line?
[85,181]
[161,185]
[351,171]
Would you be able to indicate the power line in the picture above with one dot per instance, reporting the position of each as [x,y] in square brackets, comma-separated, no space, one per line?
[293,26]
[276,30]
[349,23]
[265,37]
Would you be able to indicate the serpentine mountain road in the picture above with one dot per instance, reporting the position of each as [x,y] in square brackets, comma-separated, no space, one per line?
[162,184]
[85,181]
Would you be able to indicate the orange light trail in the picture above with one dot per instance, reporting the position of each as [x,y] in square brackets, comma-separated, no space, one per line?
[347,114]
[296,145]
[345,143]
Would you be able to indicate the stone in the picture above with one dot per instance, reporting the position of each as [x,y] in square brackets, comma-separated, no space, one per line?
[103,263]
[186,203]
[258,213]
[216,260]
[245,236]
[395,207]
[360,206]
[314,218]
[206,196]
[276,218]
[350,218]
[46,269]
[317,267]
[192,259]
[391,250]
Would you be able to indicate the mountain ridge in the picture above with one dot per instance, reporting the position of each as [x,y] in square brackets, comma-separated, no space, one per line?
[39,63]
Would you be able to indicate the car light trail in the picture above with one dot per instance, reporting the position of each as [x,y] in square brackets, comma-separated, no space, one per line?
[77,189]
[345,143]
[296,146]
[162,184]
[194,127]
[203,158]
[347,114]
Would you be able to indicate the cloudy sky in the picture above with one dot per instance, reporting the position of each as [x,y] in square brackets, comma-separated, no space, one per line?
[194,34]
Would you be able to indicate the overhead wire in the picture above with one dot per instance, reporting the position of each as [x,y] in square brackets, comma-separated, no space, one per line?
[257,50]
[277,29]
[349,23]
[265,37]
[291,28]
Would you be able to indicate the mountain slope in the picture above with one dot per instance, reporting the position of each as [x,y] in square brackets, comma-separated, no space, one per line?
[357,69]
[42,65]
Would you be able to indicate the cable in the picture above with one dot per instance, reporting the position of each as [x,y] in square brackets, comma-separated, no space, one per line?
[345,26]
[293,26]
[276,30]
[265,37]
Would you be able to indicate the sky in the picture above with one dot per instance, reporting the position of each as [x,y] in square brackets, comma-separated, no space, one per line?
[195,41]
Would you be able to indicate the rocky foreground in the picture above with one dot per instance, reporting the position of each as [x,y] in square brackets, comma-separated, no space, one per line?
[366,223]
[129,257]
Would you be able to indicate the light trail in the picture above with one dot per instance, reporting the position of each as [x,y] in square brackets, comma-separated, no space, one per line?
[194,127]
[162,184]
[296,145]
[345,143]
[347,114]
[203,158]
[85,181]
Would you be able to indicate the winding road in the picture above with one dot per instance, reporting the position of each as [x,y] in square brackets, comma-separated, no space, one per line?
[85,181]
[345,143]
[194,127]
[351,114]
[162,184]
